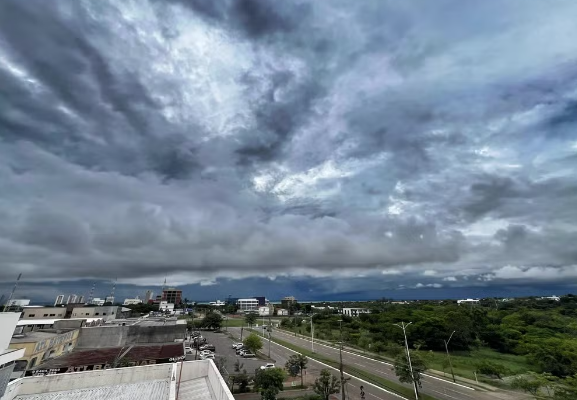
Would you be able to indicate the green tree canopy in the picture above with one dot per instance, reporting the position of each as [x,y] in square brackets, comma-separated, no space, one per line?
[402,370]
[212,320]
[296,364]
[253,342]
[250,318]
[269,382]
[326,384]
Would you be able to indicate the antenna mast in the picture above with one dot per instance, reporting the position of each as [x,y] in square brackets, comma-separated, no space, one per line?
[12,293]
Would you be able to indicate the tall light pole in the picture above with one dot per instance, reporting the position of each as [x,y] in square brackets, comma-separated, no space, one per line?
[269,333]
[312,335]
[448,356]
[341,359]
[404,328]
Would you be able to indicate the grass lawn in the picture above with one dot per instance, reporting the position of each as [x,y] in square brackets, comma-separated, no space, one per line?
[464,363]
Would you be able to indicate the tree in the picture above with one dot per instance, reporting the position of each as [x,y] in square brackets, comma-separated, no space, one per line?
[326,384]
[295,364]
[491,369]
[269,382]
[250,318]
[402,370]
[220,363]
[253,342]
[212,320]
[528,384]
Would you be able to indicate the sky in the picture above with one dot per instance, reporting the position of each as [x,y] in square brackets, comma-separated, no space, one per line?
[352,149]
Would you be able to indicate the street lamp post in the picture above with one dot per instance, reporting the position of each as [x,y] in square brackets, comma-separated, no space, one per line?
[404,327]
[269,333]
[341,360]
[448,356]
[312,335]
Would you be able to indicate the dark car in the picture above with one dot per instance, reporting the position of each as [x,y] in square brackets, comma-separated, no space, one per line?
[208,347]
[239,350]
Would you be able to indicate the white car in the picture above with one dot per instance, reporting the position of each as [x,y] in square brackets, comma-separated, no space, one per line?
[206,356]
[237,345]
[187,350]
[267,366]
[205,352]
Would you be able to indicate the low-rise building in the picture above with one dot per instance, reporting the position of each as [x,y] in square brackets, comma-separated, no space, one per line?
[354,312]
[97,301]
[104,312]
[199,380]
[8,356]
[130,302]
[29,325]
[554,298]
[19,302]
[288,301]
[265,310]
[247,305]
[40,346]
[166,307]
[34,312]
[282,311]
[468,301]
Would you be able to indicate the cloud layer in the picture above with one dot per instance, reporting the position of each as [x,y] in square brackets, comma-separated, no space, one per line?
[428,145]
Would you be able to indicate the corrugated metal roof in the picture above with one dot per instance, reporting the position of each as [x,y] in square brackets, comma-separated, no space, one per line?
[106,355]
[153,390]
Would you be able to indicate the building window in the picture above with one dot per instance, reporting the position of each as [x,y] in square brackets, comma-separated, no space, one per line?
[74,315]
[31,315]
[97,313]
[52,315]
[103,313]
[87,313]
[59,315]
[45,315]
[32,363]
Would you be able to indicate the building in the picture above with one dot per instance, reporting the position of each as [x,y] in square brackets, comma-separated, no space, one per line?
[59,300]
[97,301]
[130,302]
[148,296]
[288,301]
[198,380]
[72,299]
[33,312]
[80,299]
[468,301]
[282,311]
[165,306]
[109,299]
[19,302]
[217,303]
[354,312]
[104,312]
[172,295]
[40,346]
[29,325]
[554,298]
[247,305]
[8,356]
[265,310]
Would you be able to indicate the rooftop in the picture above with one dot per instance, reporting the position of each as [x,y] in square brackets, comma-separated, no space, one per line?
[81,357]
[196,380]
[33,336]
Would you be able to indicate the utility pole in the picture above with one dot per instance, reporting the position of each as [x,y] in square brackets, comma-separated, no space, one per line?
[448,356]
[312,335]
[269,333]
[341,361]
[404,328]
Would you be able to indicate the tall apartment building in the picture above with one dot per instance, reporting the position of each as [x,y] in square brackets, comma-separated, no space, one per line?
[148,296]
[245,305]
[172,295]
[59,300]
[71,299]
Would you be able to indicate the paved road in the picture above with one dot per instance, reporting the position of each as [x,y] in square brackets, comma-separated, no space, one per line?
[435,387]
[280,354]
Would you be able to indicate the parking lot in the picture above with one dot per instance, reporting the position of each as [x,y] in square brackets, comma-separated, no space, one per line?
[223,344]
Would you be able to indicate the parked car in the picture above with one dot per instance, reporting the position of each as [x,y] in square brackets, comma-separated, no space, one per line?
[240,351]
[237,345]
[207,347]
[207,356]
[187,350]
[267,366]
[205,352]
[248,354]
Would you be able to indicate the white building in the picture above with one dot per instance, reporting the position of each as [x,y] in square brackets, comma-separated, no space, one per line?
[104,312]
[468,301]
[217,303]
[59,300]
[109,299]
[554,298]
[282,311]
[245,305]
[354,312]
[97,301]
[8,356]
[19,302]
[197,380]
[71,299]
[265,310]
[166,306]
[128,302]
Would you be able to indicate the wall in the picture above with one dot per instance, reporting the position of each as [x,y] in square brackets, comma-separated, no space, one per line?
[8,323]
[112,312]
[115,336]
[43,312]
[217,384]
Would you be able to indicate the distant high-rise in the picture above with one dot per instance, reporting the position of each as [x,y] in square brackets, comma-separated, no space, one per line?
[172,295]
[59,300]
[148,296]
[72,299]
[80,299]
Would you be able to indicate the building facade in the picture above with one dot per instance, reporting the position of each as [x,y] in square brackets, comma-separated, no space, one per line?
[59,300]
[354,312]
[8,356]
[148,296]
[247,305]
[288,301]
[172,295]
[43,312]
[104,312]
[40,346]
[130,302]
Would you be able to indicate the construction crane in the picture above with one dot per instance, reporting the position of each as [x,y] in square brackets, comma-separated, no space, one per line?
[12,293]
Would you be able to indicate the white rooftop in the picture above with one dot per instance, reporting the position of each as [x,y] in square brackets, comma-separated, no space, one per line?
[196,380]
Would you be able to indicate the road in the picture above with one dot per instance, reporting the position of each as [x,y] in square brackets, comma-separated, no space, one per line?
[436,387]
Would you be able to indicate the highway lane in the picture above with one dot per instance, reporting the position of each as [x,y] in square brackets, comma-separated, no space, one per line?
[352,387]
[435,387]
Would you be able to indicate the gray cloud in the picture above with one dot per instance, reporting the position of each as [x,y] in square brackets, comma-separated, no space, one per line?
[209,139]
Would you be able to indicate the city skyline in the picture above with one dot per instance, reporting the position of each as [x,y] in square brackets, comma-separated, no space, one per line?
[427,149]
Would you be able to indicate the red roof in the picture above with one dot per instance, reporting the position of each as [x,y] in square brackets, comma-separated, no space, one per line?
[107,355]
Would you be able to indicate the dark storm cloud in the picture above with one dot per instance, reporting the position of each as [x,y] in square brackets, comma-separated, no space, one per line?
[206,139]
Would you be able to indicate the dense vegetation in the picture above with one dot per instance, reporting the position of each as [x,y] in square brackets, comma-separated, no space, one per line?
[540,334]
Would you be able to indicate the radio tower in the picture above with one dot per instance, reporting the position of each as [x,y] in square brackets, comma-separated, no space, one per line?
[12,293]
[91,296]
